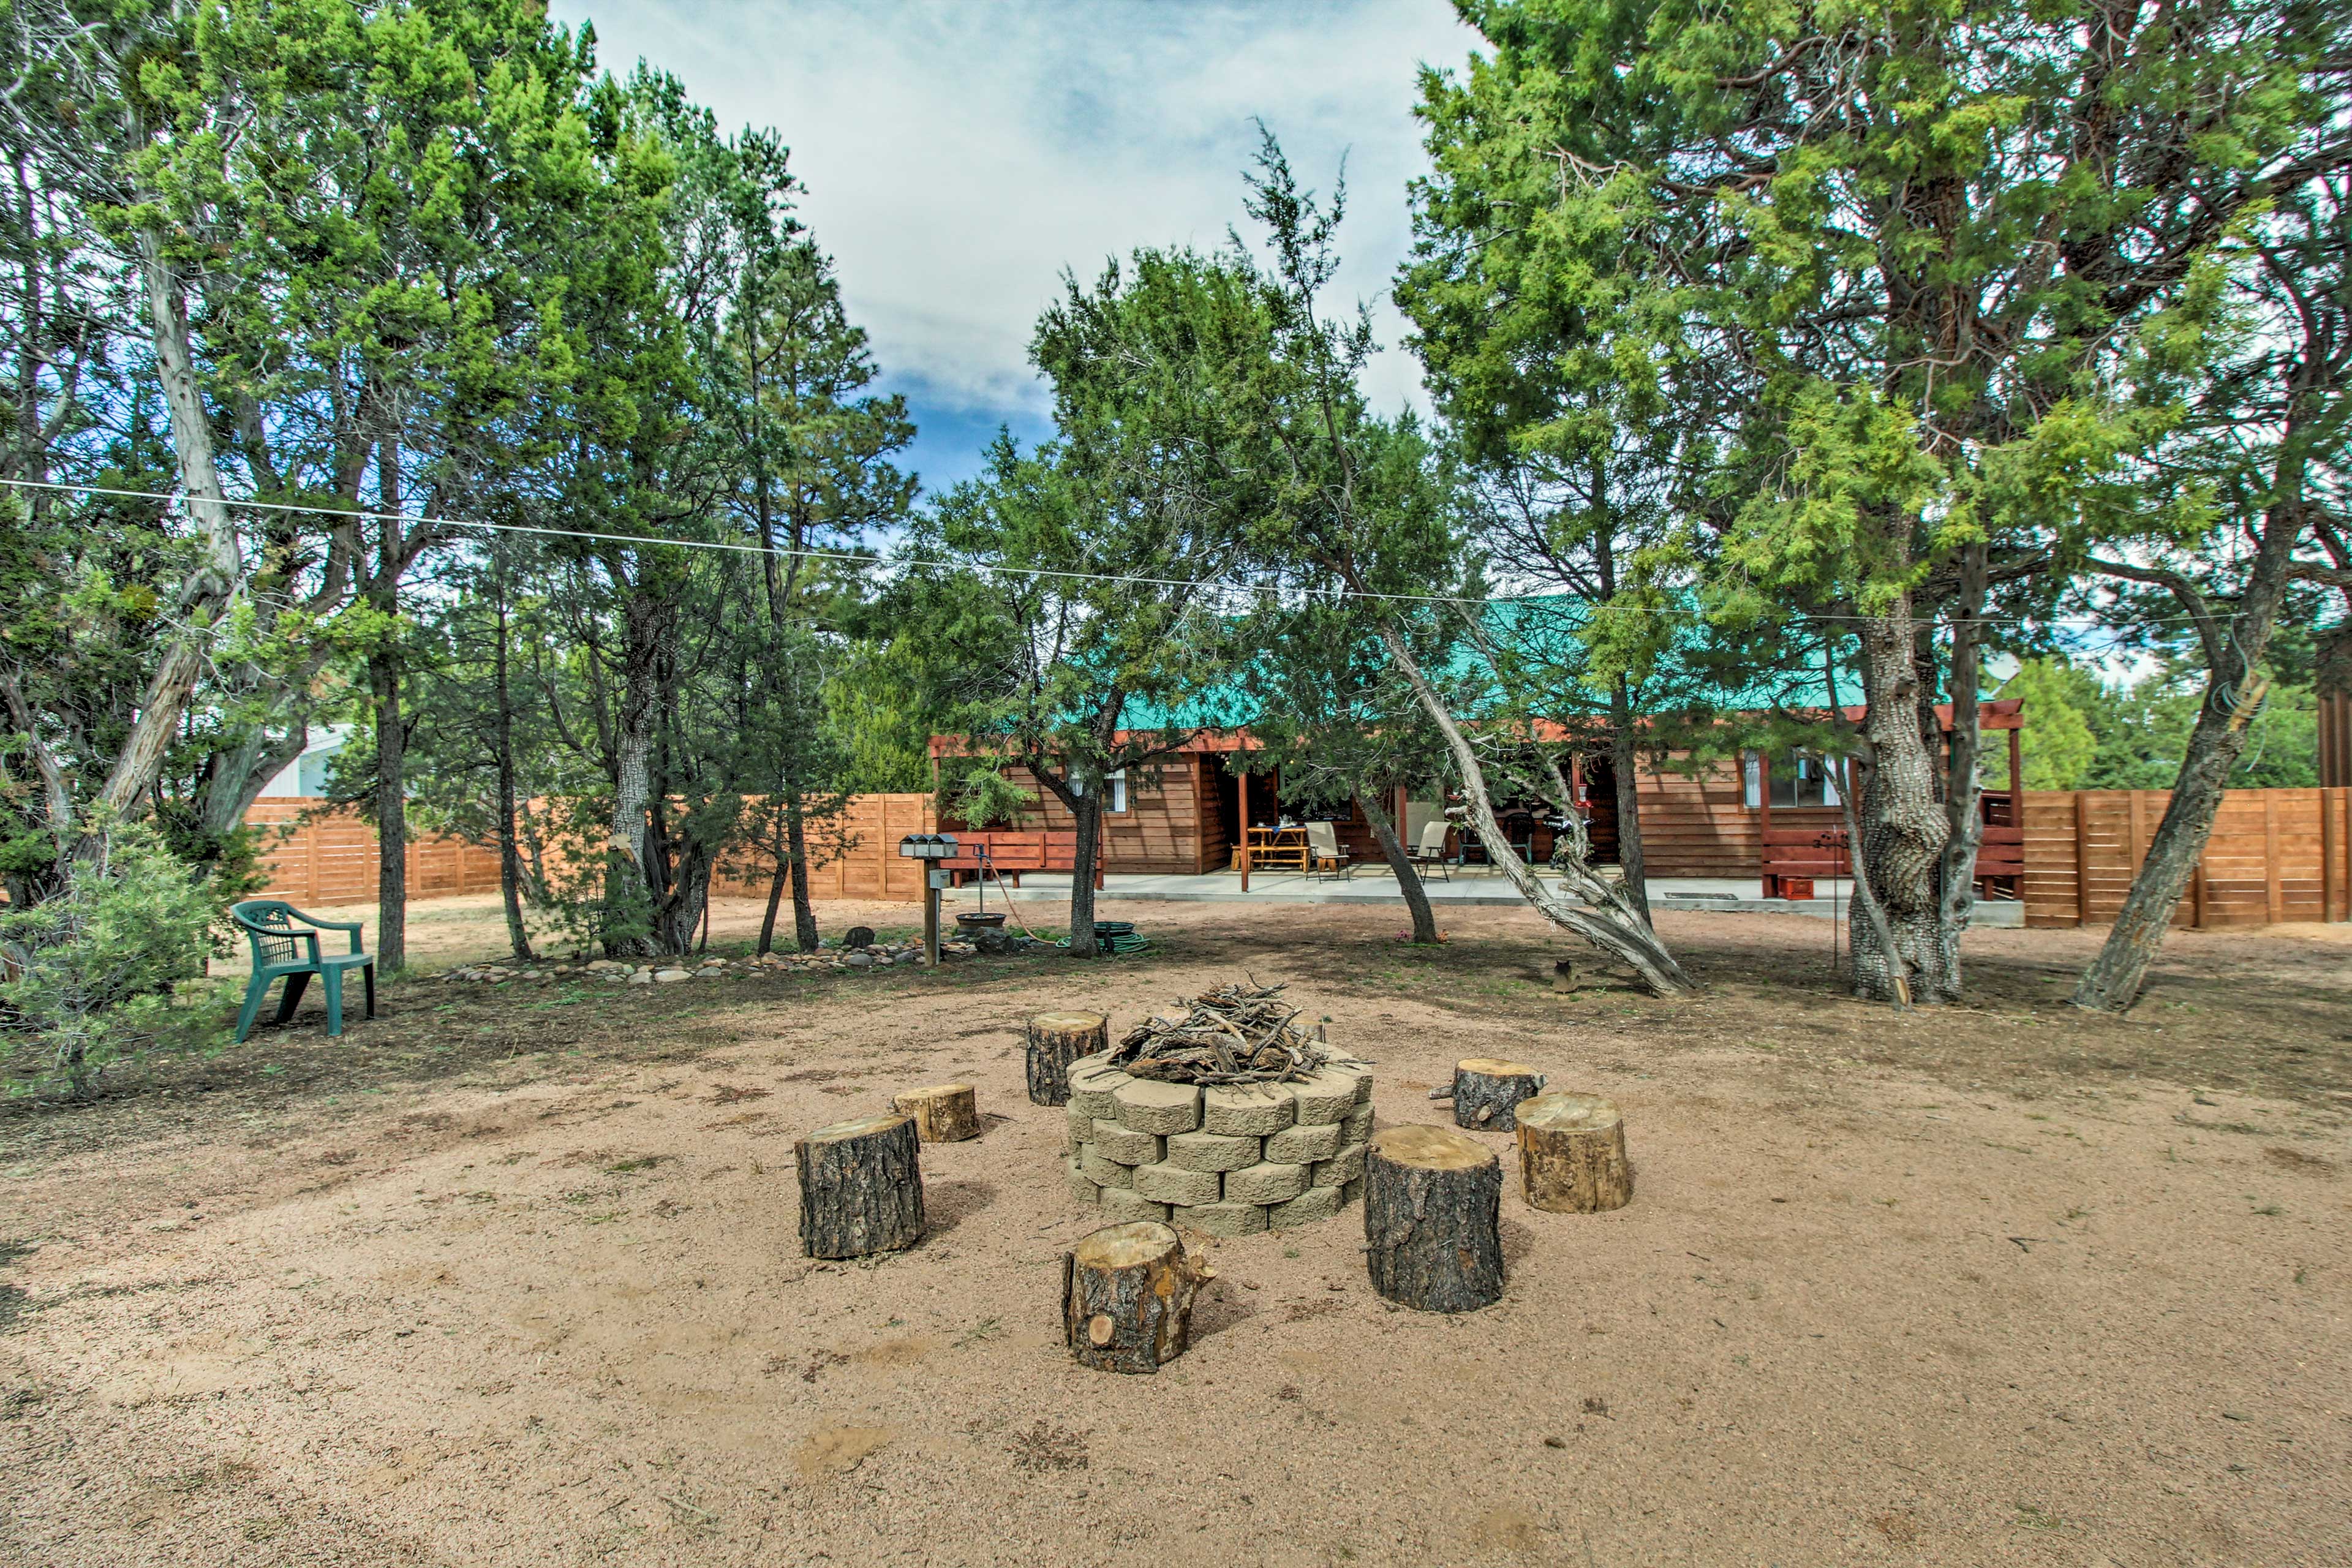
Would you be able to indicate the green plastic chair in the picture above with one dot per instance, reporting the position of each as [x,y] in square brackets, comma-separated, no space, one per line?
[282,949]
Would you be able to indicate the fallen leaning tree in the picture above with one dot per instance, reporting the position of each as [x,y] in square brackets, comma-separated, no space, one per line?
[1599,911]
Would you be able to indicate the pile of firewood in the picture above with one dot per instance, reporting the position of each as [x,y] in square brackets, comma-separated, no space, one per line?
[1241,1033]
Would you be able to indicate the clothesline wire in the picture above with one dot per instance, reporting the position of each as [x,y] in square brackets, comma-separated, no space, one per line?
[852,557]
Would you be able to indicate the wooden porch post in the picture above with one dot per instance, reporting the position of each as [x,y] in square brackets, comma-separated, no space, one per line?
[2016,779]
[1241,793]
[1764,820]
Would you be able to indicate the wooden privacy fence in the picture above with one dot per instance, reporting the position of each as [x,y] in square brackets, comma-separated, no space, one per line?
[2274,855]
[866,862]
[333,859]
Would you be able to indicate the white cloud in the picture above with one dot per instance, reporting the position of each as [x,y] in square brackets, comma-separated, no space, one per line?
[958,157]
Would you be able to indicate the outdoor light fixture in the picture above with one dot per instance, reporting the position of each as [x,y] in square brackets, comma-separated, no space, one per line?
[928,846]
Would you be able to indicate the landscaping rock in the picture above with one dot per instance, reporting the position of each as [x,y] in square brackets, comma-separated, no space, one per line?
[1083,1189]
[1126,1146]
[1223,1219]
[1347,1166]
[1314,1204]
[1324,1096]
[667,976]
[1119,1205]
[1211,1151]
[1169,1184]
[1239,1111]
[1103,1172]
[1305,1145]
[1148,1105]
[1266,1183]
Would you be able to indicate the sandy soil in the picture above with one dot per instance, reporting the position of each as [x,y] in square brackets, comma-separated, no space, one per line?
[513,1279]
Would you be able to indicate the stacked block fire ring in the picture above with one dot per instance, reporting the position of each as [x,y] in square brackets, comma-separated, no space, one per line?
[1275,1137]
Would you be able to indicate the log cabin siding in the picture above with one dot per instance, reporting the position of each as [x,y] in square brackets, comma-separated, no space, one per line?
[1162,829]
[1701,826]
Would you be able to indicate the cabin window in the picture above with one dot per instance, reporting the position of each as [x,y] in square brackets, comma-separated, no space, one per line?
[1799,779]
[1114,791]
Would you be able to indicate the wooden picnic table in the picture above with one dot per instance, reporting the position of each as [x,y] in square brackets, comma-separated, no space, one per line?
[1276,848]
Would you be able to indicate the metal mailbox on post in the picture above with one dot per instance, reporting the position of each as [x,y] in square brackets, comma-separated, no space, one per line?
[930,848]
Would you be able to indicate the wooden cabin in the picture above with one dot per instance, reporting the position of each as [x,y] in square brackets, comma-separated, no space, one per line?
[1184,814]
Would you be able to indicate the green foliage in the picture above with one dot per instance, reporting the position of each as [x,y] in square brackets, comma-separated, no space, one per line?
[873,712]
[2084,733]
[111,967]
[975,792]
[2059,747]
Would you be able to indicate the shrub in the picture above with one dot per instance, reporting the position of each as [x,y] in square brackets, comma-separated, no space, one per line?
[99,971]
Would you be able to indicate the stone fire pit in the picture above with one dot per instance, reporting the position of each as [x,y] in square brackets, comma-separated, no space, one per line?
[1228,1160]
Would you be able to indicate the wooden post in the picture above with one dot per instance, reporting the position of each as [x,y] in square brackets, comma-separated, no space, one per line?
[2334,875]
[944,1113]
[1572,1154]
[1055,1040]
[861,1187]
[1241,795]
[931,916]
[2274,895]
[1485,1092]
[2081,858]
[2016,778]
[1432,1206]
[1764,820]
[1127,1297]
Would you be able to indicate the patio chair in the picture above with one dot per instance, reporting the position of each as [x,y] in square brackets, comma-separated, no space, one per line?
[1431,850]
[1323,851]
[284,948]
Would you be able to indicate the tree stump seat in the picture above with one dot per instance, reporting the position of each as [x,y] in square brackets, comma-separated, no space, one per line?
[1433,1228]
[861,1186]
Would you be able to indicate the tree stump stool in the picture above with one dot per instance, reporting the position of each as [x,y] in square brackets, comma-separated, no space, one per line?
[1572,1154]
[1432,1229]
[944,1113]
[1127,1297]
[1487,1092]
[861,1187]
[1055,1040]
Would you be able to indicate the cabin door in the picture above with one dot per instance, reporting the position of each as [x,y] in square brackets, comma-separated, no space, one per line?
[1601,807]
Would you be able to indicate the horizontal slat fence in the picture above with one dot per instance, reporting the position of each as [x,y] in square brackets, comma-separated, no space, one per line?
[864,862]
[2275,854]
[331,859]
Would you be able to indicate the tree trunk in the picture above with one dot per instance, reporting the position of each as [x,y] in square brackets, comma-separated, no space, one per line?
[1625,763]
[2233,696]
[944,1113]
[391,727]
[804,930]
[509,852]
[1903,826]
[775,901]
[861,1187]
[1605,918]
[1572,1154]
[1055,1040]
[628,889]
[1127,1297]
[1433,1208]
[1089,812]
[1963,789]
[213,579]
[1487,1092]
[1416,897]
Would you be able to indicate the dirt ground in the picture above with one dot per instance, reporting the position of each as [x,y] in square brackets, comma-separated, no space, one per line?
[512,1278]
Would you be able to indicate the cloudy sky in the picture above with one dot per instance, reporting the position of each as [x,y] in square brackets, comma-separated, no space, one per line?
[958,156]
